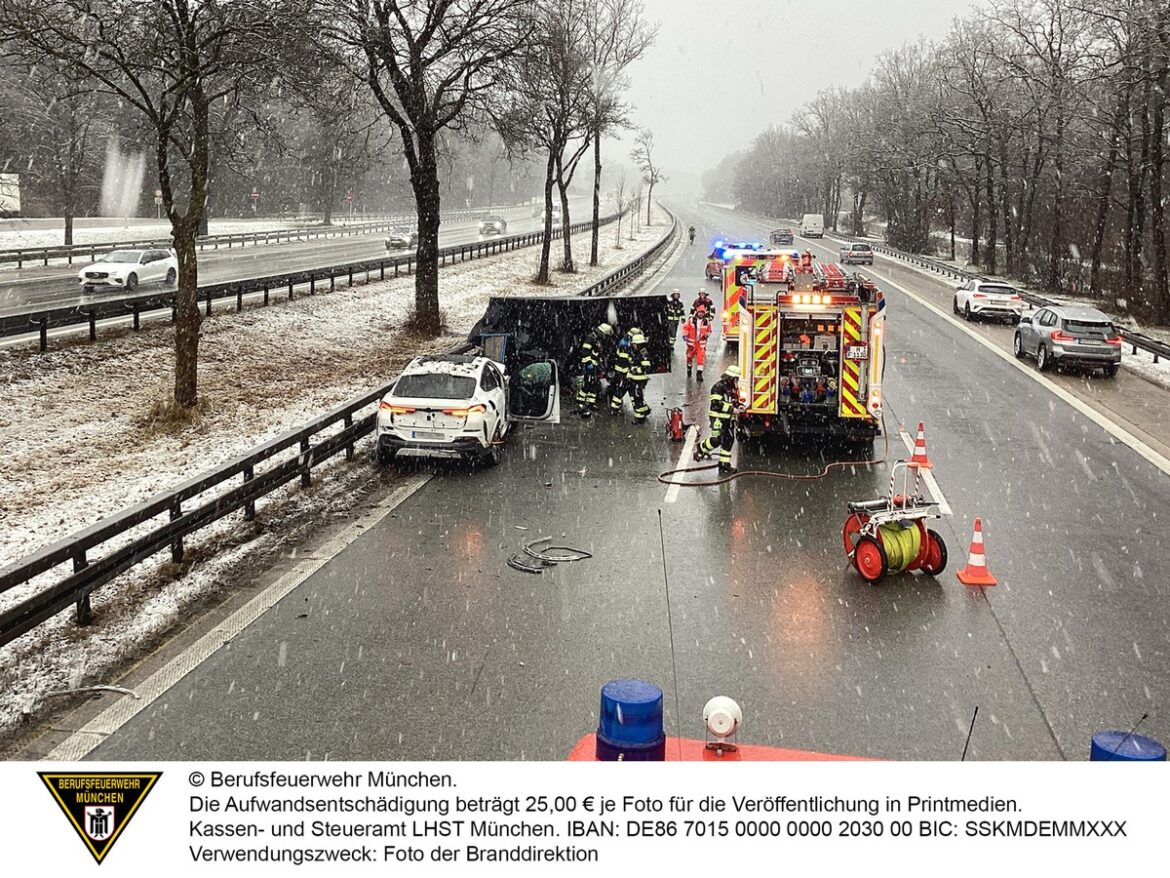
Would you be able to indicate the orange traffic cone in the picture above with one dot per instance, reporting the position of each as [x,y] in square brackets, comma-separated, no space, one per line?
[919,456]
[976,572]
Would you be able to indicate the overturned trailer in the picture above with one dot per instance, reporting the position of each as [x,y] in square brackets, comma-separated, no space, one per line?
[516,331]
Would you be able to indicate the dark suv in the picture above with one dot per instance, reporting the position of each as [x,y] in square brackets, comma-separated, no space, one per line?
[782,237]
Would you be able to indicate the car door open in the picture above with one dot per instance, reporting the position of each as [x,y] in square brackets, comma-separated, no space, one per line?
[534,394]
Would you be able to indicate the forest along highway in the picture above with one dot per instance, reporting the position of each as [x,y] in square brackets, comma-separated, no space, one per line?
[418,642]
[57,285]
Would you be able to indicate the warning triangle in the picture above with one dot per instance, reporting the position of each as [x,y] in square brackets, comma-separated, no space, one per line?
[99,805]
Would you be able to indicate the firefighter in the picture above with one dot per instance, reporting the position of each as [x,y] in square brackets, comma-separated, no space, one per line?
[619,371]
[806,259]
[724,402]
[691,234]
[592,354]
[675,313]
[622,373]
[639,374]
[695,334]
[705,300]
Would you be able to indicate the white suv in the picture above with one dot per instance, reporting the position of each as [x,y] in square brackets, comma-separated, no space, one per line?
[983,298]
[462,406]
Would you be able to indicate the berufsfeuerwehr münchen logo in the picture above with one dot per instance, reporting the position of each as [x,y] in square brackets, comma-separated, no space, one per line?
[99,805]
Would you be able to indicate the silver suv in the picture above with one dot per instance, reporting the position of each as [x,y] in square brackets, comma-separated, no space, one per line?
[856,254]
[1067,335]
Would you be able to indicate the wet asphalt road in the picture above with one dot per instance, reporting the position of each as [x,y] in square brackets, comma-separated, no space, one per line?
[417,642]
[57,285]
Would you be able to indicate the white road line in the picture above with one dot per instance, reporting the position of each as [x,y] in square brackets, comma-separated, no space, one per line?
[936,493]
[82,741]
[687,450]
[1116,430]
[1112,428]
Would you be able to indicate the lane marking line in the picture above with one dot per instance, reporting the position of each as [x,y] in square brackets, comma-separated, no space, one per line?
[687,451]
[82,741]
[927,476]
[1113,429]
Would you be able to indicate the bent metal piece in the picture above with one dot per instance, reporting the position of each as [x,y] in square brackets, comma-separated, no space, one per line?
[574,554]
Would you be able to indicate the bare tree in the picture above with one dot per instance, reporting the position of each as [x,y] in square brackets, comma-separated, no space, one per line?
[430,64]
[52,124]
[617,34]
[172,61]
[548,107]
[643,156]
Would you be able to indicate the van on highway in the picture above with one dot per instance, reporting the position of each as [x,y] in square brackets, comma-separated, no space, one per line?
[812,226]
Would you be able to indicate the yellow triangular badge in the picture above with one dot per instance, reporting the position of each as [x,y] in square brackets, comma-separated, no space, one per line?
[99,805]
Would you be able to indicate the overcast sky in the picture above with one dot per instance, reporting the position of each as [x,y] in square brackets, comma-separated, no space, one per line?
[723,70]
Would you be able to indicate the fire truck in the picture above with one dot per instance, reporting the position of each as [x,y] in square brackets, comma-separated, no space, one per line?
[744,268]
[811,353]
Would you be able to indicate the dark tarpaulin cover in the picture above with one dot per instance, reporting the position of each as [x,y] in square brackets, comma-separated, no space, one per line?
[552,327]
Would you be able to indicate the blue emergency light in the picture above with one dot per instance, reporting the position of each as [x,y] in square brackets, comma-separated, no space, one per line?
[630,727]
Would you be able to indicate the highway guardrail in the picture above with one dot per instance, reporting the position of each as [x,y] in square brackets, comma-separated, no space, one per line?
[163,521]
[42,255]
[43,320]
[1136,340]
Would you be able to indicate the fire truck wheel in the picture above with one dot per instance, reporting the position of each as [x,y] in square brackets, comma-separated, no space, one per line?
[870,560]
[936,554]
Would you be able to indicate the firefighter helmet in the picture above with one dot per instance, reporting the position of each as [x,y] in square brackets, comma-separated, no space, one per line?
[732,372]
[636,337]
[674,294]
[605,329]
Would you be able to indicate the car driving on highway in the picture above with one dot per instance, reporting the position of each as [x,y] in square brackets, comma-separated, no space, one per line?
[1074,336]
[126,269]
[401,239]
[856,254]
[462,406]
[982,298]
[493,225]
[782,237]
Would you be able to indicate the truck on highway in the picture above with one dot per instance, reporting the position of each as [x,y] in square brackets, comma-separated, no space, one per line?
[811,353]
[812,225]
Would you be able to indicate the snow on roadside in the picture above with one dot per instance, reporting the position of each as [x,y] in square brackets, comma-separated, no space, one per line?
[17,238]
[71,424]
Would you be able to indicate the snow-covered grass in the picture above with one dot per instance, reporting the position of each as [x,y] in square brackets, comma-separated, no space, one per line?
[79,446]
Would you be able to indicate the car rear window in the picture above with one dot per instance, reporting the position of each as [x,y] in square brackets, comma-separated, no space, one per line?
[861,247]
[1089,329]
[998,289]
[435,386]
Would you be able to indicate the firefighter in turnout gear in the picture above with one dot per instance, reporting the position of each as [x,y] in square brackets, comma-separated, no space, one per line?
[638,376]
[619,372]
[695,334]
[631,370]
[676,313]
[724,402]
[704,300]
[592,354]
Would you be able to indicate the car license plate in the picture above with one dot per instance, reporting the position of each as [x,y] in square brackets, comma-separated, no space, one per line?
[423,434]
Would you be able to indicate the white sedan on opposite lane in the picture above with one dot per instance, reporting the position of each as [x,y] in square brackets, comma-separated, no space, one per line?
[126,269]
